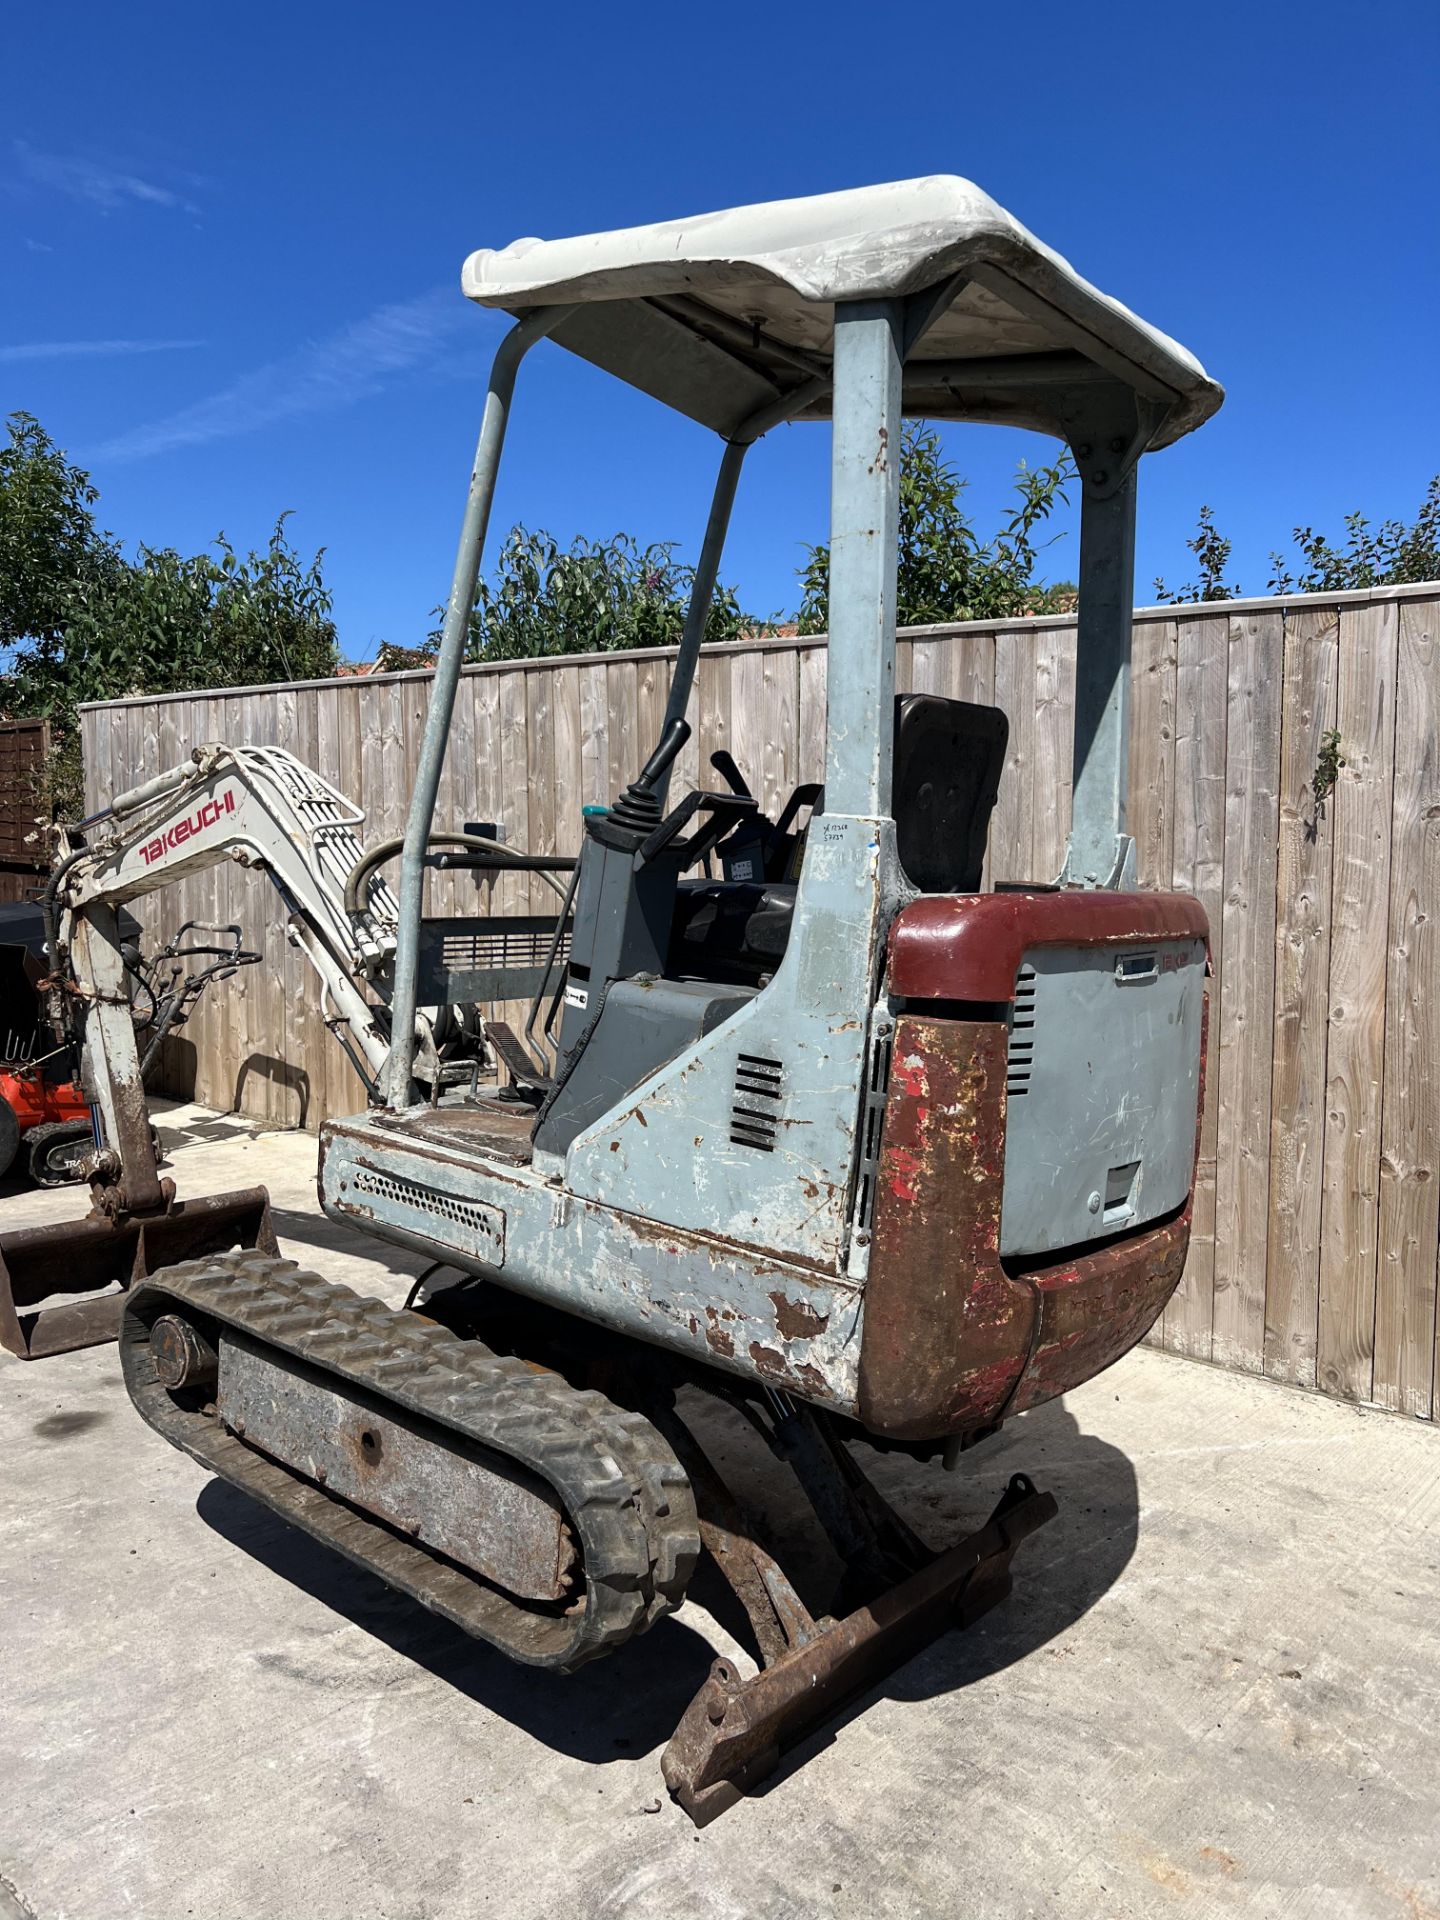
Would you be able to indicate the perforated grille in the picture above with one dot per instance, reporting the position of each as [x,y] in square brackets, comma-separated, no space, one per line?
[1021,1057]
[755,1111]
[471,1222]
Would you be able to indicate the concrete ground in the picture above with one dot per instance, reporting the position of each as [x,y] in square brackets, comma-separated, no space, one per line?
[1215,1689]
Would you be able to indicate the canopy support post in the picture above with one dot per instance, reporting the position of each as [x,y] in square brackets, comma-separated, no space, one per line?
[1107,430]
[864,557]
[702,593]
[455,633]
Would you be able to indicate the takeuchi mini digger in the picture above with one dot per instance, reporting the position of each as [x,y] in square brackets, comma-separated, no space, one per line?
[873,1155]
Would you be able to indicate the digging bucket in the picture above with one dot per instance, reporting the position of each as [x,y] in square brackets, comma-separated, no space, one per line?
[103,1258]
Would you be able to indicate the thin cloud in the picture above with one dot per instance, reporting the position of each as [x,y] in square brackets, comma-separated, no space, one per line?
[94,182]
[87,349]
[320,378]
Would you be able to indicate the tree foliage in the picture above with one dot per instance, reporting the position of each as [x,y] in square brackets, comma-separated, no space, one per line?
[1390,555]
[1212,550]
[52,556]
[946,571]
[595,596]
[1394,554]
[80,621]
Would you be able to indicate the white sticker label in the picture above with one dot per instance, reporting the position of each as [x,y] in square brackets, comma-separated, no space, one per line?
[577,997]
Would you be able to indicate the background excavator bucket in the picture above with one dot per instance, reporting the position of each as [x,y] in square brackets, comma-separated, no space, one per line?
[104,1258]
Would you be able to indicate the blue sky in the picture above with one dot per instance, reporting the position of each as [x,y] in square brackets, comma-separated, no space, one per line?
[232,239]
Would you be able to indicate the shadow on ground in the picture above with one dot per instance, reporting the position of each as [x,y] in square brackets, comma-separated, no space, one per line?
[629,1703]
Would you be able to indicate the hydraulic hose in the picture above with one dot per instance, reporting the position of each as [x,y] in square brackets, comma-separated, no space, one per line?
[358,885]
[49,898]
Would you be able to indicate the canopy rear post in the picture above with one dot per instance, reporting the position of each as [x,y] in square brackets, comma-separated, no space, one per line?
[864,556]
[1107,431]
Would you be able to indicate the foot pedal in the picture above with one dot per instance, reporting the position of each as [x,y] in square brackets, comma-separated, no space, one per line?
[524,1071]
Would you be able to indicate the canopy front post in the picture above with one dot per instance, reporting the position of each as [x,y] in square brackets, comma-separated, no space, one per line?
[702,592]
[455,632]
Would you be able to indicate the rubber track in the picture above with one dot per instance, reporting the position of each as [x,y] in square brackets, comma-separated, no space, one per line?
[625,1495]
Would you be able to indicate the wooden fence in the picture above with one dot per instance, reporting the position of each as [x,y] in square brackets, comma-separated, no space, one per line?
[24,849]
[1315,1252]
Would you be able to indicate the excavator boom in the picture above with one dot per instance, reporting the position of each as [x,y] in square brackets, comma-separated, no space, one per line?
[259,806]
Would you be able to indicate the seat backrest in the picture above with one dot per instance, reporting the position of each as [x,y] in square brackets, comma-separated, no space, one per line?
[949,755]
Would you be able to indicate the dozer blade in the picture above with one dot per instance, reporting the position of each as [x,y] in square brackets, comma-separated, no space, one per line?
[734,1731]
[106,1258]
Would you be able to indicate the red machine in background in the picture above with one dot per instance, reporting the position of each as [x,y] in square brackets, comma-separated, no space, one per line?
[44,1112]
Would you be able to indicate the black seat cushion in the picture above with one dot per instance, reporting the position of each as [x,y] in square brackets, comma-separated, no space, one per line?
[949,756]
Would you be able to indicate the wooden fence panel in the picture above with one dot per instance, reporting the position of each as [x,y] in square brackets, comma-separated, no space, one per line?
[1242,1170]
[1016,656]
[1302,967]
[1405,1317]
[1198,866]
[1360,905]
[24,849]
[1314,1250]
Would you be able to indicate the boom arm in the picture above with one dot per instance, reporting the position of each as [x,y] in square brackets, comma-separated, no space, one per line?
[261,807]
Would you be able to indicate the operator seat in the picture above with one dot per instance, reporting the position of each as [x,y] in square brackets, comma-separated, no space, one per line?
[949,756]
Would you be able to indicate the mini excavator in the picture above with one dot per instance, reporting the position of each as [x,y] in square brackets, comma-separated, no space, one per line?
[872,1154]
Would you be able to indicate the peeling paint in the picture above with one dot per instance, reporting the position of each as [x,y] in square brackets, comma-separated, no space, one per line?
[797,1319]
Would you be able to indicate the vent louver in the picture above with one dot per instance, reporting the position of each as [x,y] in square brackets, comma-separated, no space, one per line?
[755,1111]
[1021,1057]
[443,1217]
[872,1122]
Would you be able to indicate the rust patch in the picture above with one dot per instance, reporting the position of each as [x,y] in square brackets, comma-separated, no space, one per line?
[797,1319]
[951,1341]
[640,1116]
[719,1341]
[766,1359]
[811,1377]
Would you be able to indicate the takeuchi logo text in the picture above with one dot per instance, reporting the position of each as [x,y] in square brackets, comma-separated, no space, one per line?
[187,829]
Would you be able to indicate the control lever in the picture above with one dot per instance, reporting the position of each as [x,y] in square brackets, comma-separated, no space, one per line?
[637,810]
[665,755]
[725,766]
[724,810]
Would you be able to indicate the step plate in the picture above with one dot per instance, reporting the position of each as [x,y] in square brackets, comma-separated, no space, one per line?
[480,1511]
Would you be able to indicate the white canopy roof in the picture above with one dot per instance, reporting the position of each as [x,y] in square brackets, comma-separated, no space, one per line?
[719,314]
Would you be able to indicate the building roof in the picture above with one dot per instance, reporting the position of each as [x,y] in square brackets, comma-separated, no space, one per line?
[719,314]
